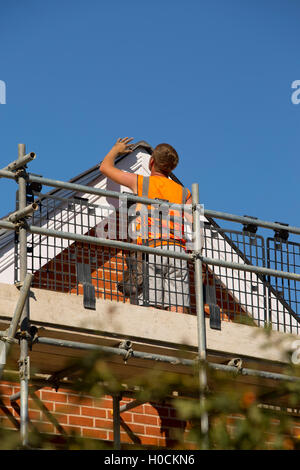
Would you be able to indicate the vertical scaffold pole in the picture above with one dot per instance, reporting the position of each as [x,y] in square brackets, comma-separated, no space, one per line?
[116,421]
[24,322]
[197,245]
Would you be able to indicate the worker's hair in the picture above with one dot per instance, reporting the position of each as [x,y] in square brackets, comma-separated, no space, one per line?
[165,158]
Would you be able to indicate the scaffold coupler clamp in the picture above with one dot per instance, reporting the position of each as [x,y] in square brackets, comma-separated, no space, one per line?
[201,362]
[30,334]
[127,345]
[21,172]
[197,254]
[33,335]
[197,207]
[24,368]
[236,362]
[19,284]
[20,224]
[7,339]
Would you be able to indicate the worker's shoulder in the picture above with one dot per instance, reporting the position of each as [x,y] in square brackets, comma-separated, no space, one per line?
[170,182]
[178,185]
[165,179]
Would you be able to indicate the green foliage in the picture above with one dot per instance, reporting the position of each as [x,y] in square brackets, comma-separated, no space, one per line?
[240,412]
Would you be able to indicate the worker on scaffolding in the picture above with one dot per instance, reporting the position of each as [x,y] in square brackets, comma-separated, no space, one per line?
[158,225]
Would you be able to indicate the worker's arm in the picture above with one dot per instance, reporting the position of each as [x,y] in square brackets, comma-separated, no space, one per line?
[107,167]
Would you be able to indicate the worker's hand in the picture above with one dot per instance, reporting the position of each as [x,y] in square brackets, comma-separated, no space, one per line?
[122,146]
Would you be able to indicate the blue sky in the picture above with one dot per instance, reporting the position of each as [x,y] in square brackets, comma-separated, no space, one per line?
[211,77]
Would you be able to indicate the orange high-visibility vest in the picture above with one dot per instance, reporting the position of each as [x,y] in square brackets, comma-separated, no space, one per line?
[167,227]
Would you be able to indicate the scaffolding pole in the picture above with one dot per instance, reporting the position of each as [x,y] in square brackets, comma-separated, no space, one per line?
[24,322]
[117,422]
[201,327]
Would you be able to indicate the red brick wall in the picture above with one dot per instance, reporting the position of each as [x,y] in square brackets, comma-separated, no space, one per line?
[89,417]
[147,424]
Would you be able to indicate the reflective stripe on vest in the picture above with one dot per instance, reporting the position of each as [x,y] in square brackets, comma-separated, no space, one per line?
[170,228]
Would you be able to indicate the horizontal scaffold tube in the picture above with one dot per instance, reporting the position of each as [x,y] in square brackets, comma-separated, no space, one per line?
[254,373]
[108,242]
[90,190]
[131,197]
[7,174]
[22,213]
[162,358]
[20,162]
[156,251]
[120,352]
[168,359]
[98,241]
[250,268]
[249,220]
